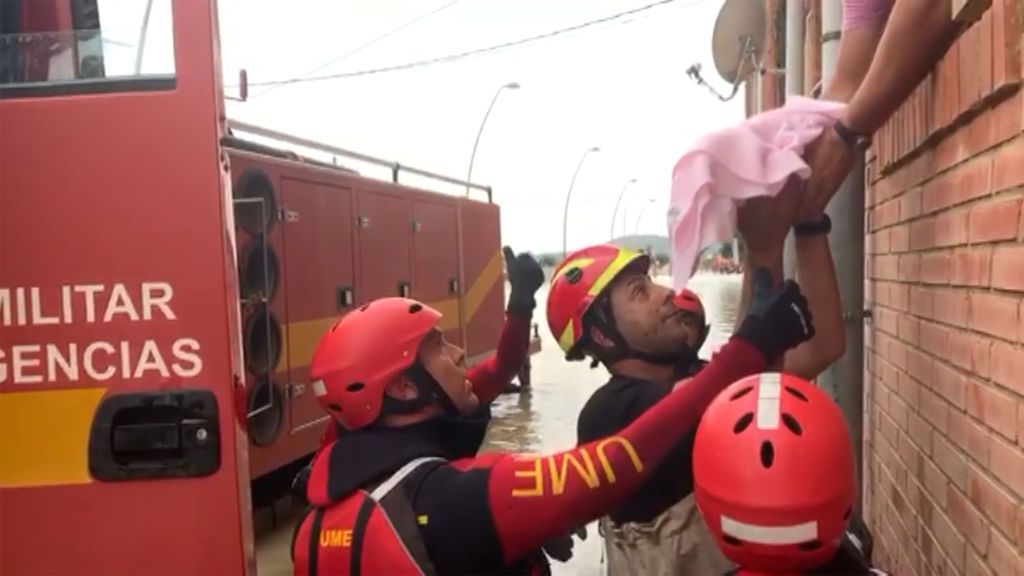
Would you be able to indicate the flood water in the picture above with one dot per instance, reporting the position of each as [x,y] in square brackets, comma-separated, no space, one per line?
[543,420]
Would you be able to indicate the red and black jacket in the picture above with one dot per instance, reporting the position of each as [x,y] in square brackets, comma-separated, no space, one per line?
[487,514]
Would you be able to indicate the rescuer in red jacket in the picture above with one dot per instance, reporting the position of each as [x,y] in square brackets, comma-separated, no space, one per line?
[403,491]
[494,374]
[782,502]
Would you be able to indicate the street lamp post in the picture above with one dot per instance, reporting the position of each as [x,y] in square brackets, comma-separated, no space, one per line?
[617,202]
[472,157]
[636,225]
[565,218]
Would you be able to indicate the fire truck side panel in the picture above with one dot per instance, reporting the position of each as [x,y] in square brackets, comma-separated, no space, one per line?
[320,277]
[484,268]
[436,260]
[116,265]
[385,240]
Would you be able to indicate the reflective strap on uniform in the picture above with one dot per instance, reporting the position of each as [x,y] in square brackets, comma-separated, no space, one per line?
[389,484]
[314,541]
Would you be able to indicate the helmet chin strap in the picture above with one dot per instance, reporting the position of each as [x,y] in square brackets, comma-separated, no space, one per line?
[430,391]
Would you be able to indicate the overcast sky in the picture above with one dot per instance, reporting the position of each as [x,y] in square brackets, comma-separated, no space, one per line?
[621,86]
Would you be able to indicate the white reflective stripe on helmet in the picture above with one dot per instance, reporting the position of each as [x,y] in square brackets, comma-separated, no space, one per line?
[795,534]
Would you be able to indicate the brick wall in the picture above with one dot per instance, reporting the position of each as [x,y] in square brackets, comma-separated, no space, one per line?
[944,373]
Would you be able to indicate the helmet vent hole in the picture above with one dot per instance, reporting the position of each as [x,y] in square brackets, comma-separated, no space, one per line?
[574,275]
[365,306]
[848,512]
[743,422]
[811,545]
[334,407]
[767,454]
[415,308]
[741,393]
[792,424]
[355,387]
[797,393]
[732,541]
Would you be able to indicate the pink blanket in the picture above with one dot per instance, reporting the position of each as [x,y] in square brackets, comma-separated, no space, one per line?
[753,158]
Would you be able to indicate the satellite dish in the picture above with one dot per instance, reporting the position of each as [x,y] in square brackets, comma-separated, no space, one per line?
[738,39]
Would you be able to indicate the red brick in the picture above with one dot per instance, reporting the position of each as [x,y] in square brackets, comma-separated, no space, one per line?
[935,339]
[1008,267]
[935,410]
[969,68]
[952,463]
[899,295]
[947,92]
[1008,166]
[1008,366]
[886,320]
[972,267]
[910,204]
[995,408]
[935,267]
[1019,536]
[900,412]
[1008,466]
[889,429]
[911,453]
[981,356]
[922,233]
[921,367]
[887,267]
[997,504]
[880,241]
[949,539]
[994,220]
[887,214]
[961,345]
[909,329]
[1006,119]
[951,228]
[921,433]
[968,519]
[1006,44]
[922,301]
[971,180]
[979,442]
[899,238]
[983,64]
[1003,559]
[1020,429]
[910,267]
[975,564]
[949,384]
[898,350]
[935,482]
[951,307]
[994,314]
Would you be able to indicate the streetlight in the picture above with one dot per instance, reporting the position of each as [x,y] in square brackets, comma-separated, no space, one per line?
[617,202]
[565,218]
[510,86]
[636,226]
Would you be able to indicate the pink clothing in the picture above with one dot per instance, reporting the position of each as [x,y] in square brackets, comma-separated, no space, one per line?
[857,13]
[753,158]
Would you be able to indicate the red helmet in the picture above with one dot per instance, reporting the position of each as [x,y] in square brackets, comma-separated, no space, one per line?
[774,473]
[578,282]
[362,353]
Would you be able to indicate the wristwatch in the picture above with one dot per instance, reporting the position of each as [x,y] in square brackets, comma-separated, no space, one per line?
[814,227]
[856,142]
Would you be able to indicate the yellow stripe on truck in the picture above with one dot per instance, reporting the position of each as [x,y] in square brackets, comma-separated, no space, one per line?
[301,338]
[44,436]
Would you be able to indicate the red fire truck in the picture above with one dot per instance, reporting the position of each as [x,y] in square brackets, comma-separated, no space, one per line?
[164,281]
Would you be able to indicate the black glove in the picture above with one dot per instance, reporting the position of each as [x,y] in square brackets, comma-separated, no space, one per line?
[561,548]
[778,319]
[526,277]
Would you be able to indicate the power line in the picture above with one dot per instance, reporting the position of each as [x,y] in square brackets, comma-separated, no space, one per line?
[354,51]
[474,52]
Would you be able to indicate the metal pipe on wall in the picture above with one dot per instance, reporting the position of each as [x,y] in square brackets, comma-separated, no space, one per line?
[794,87]
[844,380]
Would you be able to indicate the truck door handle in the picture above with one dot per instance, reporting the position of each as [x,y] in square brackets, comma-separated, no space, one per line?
[404,289]
[453,286]
[345,297]
[174,434]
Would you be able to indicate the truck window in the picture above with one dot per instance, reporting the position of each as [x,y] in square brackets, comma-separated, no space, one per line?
[60,47]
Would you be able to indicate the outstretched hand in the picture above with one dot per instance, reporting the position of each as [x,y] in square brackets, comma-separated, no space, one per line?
[525,277]
[830,160]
